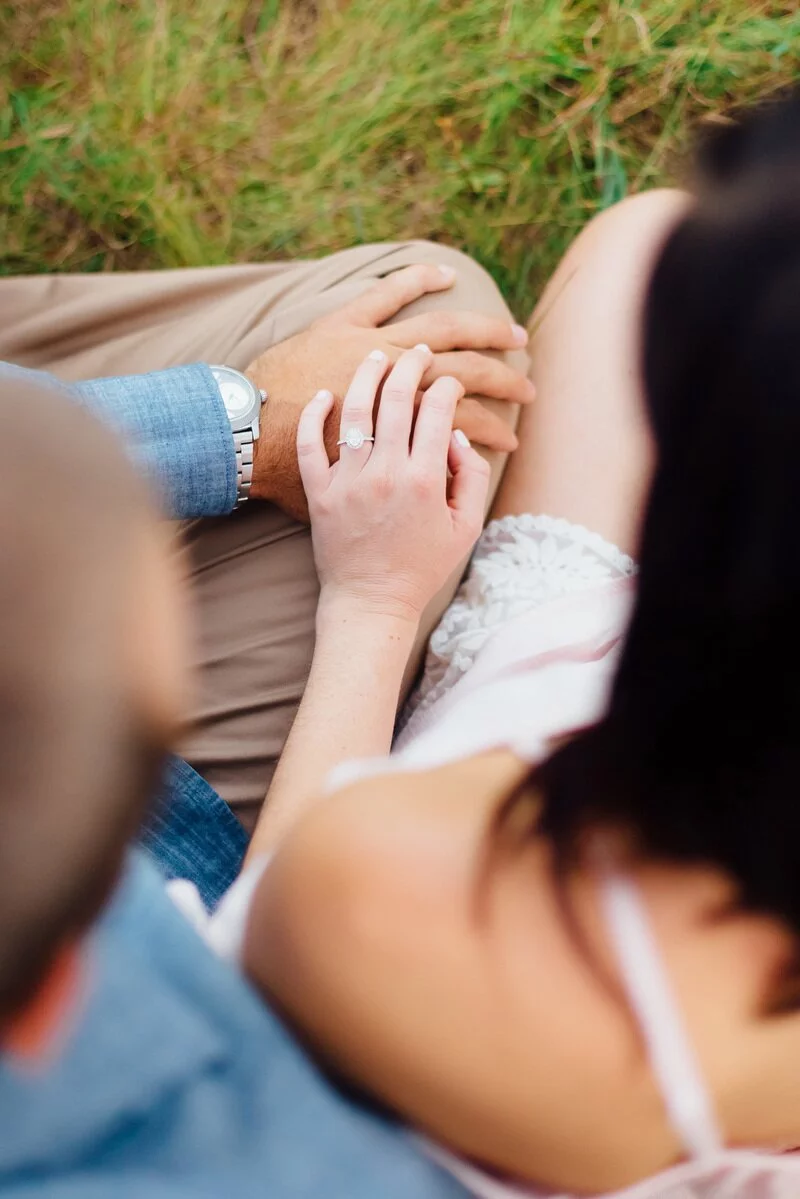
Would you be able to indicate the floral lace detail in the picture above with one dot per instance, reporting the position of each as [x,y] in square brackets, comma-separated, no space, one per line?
[519,563]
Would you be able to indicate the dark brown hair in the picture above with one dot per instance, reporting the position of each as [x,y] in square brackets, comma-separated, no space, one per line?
[698,756]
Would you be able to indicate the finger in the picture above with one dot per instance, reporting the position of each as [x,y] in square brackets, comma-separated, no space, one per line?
[483,376]
[434,425]
[396,408]
[483,427]
[355,424]
[469,487]
[312,457]
[459,331]
[386,297]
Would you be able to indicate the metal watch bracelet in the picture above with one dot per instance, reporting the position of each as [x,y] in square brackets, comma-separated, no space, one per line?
[243,443]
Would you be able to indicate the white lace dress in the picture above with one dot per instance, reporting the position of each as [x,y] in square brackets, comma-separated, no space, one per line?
[519,563]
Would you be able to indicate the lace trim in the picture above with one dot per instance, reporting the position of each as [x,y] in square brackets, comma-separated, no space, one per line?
[558,527]
[519,563]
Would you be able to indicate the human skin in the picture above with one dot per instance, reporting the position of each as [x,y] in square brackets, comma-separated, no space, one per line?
[327,354]
[390,521]
[466,1003]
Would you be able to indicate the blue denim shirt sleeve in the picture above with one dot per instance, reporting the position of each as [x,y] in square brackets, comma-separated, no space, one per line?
[175,427]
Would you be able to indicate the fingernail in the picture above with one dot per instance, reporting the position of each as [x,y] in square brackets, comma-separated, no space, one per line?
[324,395]
[448,272]
[460,436]
[520,335]
[422,346]
[377,356]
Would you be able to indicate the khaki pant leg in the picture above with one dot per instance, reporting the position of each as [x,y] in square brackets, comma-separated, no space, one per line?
[252,573]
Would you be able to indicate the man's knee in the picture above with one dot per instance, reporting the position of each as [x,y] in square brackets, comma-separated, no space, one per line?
[445,255]
[474,288]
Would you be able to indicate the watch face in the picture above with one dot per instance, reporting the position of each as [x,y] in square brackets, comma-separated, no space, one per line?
[236,395]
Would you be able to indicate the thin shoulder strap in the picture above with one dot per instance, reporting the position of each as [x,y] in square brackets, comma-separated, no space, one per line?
[651,996]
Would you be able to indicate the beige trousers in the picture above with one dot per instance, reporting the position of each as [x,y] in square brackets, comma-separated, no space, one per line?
[252,573]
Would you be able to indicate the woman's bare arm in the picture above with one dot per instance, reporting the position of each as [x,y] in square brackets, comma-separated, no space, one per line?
[348,708]
[389,526]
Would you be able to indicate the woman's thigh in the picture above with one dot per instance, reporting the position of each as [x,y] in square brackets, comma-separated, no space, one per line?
[585,451]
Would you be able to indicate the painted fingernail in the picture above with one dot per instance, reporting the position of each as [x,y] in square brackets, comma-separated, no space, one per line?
[520,335]
[422,346]
[460,436]
[376,356]
[323,395]
[448,272]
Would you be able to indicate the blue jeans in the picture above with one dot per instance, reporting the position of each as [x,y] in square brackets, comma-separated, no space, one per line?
[193,834]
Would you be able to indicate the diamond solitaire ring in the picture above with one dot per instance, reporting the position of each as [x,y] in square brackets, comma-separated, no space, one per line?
[354,439]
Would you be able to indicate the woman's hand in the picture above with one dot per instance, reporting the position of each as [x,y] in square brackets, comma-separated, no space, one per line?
[327,353]
[388,525]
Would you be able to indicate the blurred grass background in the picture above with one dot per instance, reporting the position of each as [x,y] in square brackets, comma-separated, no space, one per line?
[150,133]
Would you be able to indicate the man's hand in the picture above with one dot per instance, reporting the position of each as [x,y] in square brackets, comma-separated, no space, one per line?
[327,353]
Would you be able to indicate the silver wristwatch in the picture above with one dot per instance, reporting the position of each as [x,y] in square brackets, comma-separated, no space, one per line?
[243,401]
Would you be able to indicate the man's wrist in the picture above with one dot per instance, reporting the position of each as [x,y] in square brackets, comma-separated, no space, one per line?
[263,472]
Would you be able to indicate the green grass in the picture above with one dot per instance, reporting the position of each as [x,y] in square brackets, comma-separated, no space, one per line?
[146,133]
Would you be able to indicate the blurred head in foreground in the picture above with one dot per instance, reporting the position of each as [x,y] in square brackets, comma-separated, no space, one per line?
[91,681]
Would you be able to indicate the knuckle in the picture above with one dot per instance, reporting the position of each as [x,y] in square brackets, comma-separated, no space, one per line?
[356,413]
[440,400]
[383,484]
[470,520]
[321,505]
[472,417]
[496,333]
[416,274]
[479,367]
[428,273]
[451,386]
[447,324]
[505,374]
[422,484]
[395,393]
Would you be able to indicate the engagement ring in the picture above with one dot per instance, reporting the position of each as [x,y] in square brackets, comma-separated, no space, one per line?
[354,439]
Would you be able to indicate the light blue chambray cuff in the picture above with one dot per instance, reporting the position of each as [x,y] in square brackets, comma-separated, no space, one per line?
[175,425]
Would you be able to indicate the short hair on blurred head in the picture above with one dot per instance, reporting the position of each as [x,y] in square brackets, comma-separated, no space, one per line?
[73,769]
